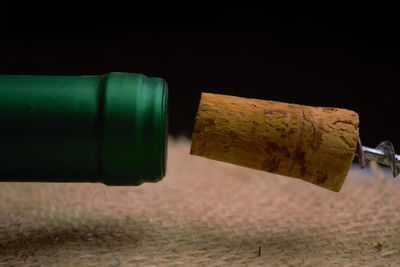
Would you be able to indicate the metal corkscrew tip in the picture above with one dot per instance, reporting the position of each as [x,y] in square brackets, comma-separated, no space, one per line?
[384,154]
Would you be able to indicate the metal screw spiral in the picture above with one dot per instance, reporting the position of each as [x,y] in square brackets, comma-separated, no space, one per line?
[384,154]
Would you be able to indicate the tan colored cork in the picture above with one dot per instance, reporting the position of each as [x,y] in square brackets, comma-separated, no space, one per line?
[315,144]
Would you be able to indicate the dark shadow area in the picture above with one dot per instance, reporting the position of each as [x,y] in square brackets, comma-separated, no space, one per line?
[84,235]
[141,237]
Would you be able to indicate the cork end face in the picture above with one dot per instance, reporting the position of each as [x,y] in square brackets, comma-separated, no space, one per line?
[196,135]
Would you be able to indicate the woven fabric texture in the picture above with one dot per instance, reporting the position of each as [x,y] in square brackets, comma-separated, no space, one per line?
[204,213]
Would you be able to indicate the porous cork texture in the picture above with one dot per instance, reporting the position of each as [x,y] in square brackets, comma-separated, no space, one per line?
[315,144]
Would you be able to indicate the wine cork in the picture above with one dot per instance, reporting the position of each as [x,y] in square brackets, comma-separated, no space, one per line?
[315,144]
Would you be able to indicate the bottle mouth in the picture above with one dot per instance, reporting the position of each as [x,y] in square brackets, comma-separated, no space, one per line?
[154,92]
[135,129]
[162,120]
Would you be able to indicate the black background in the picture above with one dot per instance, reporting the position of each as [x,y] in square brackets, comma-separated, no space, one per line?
[316,56]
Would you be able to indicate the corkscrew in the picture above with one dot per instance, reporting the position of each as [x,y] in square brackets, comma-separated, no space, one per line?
[384,154]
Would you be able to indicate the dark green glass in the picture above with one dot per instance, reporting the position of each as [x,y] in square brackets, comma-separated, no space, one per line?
[107,128]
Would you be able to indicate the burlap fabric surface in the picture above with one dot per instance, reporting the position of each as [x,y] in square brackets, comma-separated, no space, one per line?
[204,213]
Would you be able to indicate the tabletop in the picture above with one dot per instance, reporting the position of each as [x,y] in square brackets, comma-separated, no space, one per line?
[203,213]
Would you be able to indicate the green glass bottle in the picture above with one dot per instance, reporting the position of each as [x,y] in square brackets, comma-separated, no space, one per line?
[107,128]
